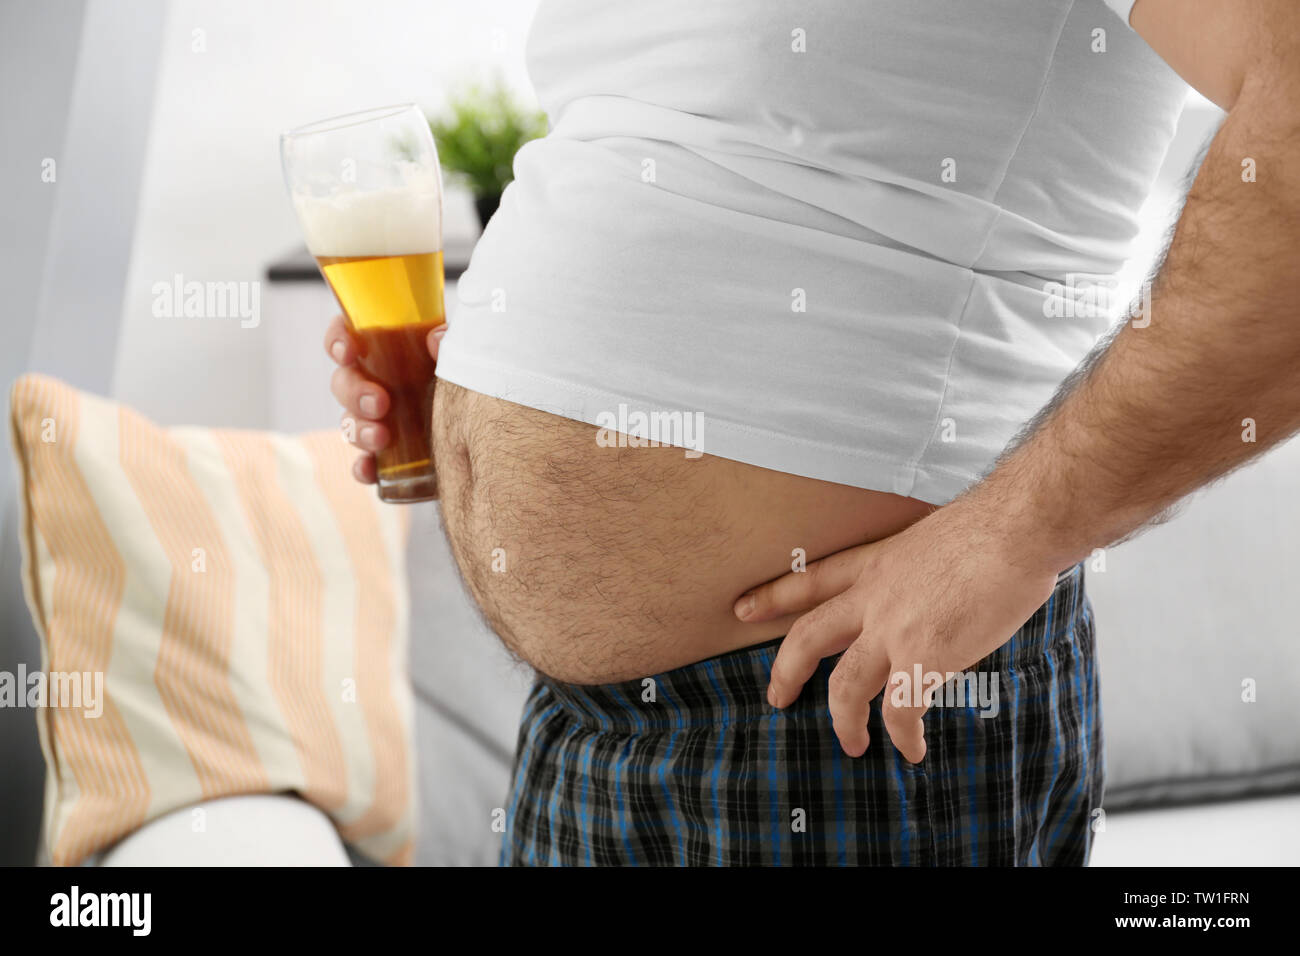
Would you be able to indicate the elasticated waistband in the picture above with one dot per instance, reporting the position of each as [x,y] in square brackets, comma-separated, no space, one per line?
[731,688]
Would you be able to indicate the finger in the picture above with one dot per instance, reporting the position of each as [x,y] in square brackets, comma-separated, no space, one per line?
[856,680]
[801,590]
[339,342]
[825,630]
[357,394]
[366,435]
[904,715]
[364,470]
[435,340]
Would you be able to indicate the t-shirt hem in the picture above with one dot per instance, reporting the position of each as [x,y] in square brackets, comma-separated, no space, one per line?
[721,439]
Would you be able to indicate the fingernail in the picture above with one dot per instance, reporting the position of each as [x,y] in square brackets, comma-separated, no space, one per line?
[338,351]
[771,695]
[369,406]
[439,332]
[745,606]
[367,434]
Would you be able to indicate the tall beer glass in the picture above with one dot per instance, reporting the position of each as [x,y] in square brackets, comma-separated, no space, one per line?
[368,192]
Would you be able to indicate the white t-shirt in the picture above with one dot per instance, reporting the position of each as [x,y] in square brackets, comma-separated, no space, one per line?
[835,236]
[1123,7]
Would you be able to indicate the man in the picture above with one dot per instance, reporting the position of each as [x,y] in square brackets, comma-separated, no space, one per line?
[832,241]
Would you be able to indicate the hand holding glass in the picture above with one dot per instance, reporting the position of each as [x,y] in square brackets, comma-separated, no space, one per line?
[368,193]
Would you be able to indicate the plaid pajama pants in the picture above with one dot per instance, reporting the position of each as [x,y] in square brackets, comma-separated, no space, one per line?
[704,772]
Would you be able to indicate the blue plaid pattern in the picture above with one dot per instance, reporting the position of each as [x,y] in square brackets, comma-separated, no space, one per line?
[703,772]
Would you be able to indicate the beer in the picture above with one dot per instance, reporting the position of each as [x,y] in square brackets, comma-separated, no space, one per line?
[391,304]
[367,189]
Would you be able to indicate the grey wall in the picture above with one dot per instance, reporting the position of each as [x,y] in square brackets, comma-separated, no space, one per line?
[38,58]
[76,87]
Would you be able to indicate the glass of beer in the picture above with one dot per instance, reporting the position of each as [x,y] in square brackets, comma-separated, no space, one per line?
[367,189]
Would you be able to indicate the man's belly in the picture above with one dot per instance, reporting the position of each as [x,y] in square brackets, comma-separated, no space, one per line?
[598,564]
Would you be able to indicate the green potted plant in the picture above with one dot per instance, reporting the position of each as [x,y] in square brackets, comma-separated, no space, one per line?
[478,136]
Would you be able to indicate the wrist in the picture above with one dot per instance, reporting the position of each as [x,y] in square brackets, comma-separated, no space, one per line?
[1016,526]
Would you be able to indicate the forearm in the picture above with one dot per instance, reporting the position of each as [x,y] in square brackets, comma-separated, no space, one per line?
[1163,409]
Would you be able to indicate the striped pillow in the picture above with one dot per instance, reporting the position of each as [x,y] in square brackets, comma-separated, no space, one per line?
[240,602]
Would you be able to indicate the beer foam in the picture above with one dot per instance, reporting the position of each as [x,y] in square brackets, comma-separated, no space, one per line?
[397,221]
